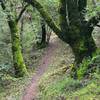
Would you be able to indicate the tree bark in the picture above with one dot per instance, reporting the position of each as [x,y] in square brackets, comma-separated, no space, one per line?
[18,62]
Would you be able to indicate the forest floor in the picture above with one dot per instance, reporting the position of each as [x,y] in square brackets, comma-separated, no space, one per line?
[48,82]
[55,52]
[32,90]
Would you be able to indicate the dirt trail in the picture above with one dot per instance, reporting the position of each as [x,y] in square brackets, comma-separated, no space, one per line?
[31,91]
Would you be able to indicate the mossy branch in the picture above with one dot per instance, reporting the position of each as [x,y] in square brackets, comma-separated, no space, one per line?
[45,15]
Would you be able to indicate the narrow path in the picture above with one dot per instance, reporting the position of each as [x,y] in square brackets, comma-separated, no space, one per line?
[31,91]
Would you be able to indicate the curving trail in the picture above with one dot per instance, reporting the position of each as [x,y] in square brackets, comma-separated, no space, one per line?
[31,91]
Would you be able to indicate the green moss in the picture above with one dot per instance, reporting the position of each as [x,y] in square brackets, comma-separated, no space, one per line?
[19,65]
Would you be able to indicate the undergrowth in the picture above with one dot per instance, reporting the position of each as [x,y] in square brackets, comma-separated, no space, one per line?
[12,88]
[65,88]
[55,85]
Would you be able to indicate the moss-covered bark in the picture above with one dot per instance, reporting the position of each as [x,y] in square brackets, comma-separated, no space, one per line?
[18,62]
[78,33]
[45,15]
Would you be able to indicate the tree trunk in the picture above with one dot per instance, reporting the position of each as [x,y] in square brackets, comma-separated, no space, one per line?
[76,32]
[43,26]
[18,62]
[82,48]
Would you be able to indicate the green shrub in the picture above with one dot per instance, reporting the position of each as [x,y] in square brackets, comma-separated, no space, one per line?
[83,68]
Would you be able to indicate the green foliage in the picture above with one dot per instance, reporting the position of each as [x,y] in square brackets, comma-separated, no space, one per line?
[83,68]
[4,68]
[89,65]
[52,7]
[58,87]
[92,9]
[55,85]
[90,91]
[97,52]
[5,45]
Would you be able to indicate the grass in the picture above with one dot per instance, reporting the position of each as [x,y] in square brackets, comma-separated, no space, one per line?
[12,88]
[91,91]
[62,87]
[56,83]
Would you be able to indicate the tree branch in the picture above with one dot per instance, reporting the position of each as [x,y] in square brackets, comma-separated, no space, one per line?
[21,13]
[45,15]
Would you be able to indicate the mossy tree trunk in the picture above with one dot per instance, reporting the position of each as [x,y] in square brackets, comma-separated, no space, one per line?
[83,47]
[77,32]
[18,62]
